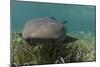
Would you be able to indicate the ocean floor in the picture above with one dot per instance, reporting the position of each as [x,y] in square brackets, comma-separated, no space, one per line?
[82,50]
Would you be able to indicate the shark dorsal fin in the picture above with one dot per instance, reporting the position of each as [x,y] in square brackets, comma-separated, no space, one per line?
[64,22]
[53,18]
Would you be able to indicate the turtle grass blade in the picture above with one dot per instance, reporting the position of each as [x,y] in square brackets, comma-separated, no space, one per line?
[77,51]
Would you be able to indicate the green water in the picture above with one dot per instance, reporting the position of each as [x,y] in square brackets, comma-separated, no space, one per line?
[80,18]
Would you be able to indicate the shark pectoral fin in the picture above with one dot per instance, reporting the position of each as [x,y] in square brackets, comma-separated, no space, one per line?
[69,39]
[19,33]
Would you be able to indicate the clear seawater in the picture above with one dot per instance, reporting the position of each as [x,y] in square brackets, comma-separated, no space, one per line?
[81,18]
